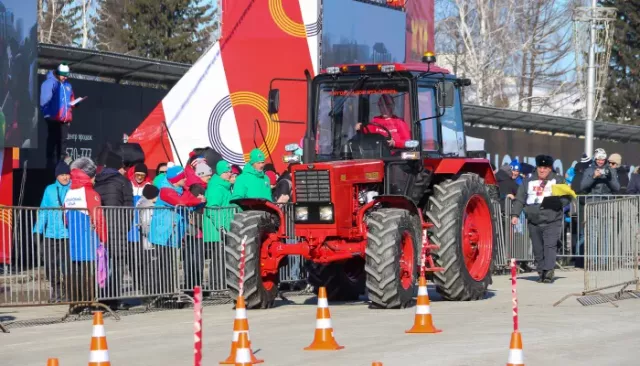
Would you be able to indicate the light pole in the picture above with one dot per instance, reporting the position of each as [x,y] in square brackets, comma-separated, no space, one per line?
[591,85]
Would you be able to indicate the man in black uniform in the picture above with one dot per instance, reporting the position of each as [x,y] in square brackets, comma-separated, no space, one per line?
[545,219]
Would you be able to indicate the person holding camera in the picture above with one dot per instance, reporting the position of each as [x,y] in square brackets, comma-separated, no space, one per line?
[599,178]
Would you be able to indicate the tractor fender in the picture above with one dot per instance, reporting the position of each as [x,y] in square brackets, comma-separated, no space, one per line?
[389,201]
[258,204]
[453,166]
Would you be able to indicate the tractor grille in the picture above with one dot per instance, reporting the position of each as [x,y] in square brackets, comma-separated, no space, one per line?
[312,186]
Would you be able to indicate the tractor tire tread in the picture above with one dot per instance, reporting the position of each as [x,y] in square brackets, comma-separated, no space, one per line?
[445,212]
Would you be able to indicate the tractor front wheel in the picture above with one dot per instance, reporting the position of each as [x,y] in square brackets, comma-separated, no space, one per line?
[259,292]
[392,255]
[343,281]
[462,214]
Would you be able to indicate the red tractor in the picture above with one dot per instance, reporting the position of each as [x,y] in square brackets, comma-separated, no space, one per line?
[368,189]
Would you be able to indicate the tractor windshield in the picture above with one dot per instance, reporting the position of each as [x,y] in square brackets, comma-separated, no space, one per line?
[366,105]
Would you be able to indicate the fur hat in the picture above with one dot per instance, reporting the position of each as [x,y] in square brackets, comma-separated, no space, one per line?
[86,165]
[544,160]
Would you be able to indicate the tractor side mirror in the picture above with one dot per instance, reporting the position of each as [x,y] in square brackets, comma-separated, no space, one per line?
[274,101]
[445,94]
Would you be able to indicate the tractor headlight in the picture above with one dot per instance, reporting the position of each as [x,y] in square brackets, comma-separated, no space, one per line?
[326,213]
[302,213]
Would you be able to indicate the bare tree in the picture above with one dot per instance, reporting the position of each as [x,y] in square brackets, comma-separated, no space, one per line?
[515,52]
[57,21]
[85,6]
[480,34]
[544,34]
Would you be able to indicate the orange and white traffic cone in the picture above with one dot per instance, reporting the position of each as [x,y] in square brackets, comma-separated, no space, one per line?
[423,322]
[323,339]
[240,326]
[243,351]
[516,357]
[99,352]
[52,362]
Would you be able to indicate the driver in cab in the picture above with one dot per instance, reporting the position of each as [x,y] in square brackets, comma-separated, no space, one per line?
[395,125]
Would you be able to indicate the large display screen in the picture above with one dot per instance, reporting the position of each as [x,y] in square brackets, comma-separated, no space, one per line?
[361,32]
[18,66]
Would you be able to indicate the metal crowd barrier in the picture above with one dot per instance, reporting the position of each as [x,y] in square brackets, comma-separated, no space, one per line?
[501,257]
[612,230]
[572,241]
[55,256]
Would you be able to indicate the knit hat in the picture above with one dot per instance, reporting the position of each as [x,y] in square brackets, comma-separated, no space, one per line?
[150,191]
[86,165]
[62,168]
[203,170]
[256,156]
[584,158]
[272,177]
[222,167]
[63,69]
[235,169]
[197,160]
[616,158]
[600,154]
[140,168]
[175,174]
[113,160]
[515,165]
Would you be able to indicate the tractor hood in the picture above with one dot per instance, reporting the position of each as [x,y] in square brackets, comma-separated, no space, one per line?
[348,171]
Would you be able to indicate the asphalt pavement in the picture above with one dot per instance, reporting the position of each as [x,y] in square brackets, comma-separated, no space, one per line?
[474,333]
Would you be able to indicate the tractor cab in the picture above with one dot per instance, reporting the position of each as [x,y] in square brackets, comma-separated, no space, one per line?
[382,111]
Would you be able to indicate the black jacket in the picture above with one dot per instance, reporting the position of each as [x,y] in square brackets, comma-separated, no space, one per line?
[578,170]
[605,184]
[623,178]
[116,190]
[535,214]
[634,184]
[283,186]
[506,184]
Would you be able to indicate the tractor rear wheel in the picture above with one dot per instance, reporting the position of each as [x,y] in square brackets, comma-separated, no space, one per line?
[259,292]
[462,214]
[343,281]
[392,255]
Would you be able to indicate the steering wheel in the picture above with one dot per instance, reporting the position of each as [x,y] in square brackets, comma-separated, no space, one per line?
[386,130]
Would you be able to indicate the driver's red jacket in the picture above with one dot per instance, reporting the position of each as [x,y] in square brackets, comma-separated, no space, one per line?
[399,130]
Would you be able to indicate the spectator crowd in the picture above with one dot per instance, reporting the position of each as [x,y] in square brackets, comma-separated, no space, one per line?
[100,223]
[531,196]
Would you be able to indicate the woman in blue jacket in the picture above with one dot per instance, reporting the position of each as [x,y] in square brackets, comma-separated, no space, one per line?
[51,226]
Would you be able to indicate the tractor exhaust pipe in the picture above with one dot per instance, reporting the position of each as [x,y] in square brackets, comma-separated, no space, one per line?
[309,141]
